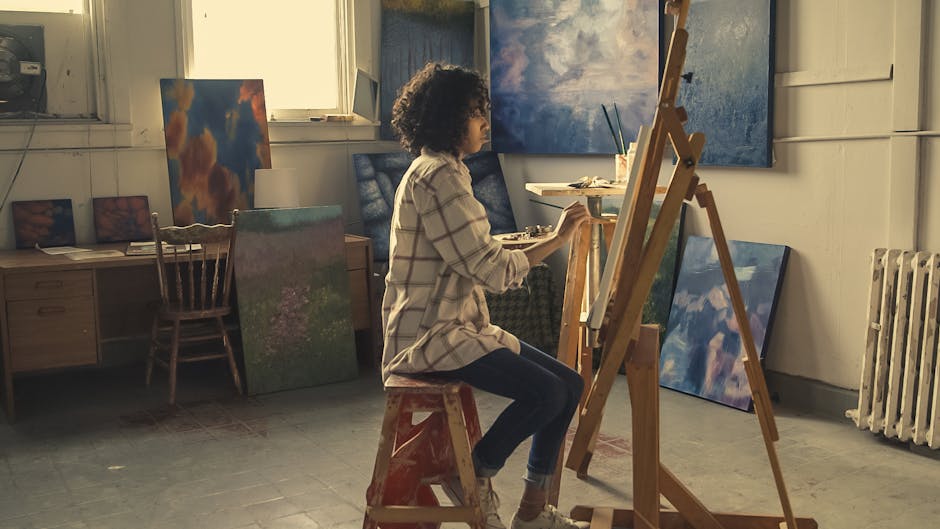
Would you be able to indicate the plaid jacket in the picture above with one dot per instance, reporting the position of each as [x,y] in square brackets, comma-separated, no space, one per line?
[441,258]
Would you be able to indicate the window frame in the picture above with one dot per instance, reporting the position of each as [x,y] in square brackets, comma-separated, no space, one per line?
[100,105]
[345,52]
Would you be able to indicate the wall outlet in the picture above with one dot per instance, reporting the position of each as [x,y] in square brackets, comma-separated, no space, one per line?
[30,68]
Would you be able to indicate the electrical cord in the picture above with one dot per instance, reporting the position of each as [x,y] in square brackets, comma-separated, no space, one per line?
[29,141]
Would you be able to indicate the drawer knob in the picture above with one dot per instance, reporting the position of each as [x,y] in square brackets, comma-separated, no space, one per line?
[45,311]
[53,283]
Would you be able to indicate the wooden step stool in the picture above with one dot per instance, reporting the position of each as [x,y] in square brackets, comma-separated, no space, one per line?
[413,456]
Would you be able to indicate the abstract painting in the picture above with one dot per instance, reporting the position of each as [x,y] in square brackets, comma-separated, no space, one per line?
[216,136]
[294,304]
[703,353]
[121,219]
[552,67]
[44,222]
[378,175]
[415,32]
[729,69]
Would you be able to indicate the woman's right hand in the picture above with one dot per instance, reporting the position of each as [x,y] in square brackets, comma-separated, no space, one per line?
[570,220]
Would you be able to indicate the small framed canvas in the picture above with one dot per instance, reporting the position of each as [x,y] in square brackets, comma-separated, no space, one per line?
[44,222]
[122,219]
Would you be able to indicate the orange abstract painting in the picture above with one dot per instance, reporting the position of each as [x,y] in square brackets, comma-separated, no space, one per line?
[121,219]
[216,136]
[47,223]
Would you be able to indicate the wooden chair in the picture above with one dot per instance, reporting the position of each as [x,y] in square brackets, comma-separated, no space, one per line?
[194,289]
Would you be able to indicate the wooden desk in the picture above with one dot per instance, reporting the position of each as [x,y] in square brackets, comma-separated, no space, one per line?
[59,313]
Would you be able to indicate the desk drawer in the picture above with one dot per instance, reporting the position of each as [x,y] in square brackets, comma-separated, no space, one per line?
[51,333]
[44,285]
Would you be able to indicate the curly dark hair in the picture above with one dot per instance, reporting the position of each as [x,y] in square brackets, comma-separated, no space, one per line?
[433,108]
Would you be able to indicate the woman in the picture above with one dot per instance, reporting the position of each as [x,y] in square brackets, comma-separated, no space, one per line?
[441,258]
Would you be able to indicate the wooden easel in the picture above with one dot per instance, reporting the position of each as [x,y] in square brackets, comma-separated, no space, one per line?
[626,342]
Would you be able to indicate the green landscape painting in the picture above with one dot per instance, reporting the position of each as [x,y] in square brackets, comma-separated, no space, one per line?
[656,308]
[293,298]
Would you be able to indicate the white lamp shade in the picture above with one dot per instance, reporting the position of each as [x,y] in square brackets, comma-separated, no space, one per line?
[276,188]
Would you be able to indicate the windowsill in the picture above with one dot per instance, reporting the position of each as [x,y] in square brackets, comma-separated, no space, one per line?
[288,131]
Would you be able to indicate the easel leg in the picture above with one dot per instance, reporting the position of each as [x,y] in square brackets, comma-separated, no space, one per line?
[755,377]
[570,339]
[642,370]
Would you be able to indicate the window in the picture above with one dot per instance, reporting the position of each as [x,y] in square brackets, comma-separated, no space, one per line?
[48,52]
[44,6]
[298,47]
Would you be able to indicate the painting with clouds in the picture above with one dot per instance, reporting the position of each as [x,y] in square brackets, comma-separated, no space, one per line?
[729,94]
[553,63]
[216,136]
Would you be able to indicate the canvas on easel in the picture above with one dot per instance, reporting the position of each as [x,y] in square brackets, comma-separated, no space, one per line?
[45,223]
[702,354]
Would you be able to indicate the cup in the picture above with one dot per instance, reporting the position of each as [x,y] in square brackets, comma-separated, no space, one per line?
[621,168]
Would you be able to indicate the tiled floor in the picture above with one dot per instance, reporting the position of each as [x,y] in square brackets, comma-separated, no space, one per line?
[96,449]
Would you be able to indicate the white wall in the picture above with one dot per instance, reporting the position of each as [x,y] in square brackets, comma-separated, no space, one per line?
[843,182]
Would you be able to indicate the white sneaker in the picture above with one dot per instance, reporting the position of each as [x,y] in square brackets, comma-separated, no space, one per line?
[549,518]
[489,503]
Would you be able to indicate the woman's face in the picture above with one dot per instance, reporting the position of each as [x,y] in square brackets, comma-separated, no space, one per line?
[476,133]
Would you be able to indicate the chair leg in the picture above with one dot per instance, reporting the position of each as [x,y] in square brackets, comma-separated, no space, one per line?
[174,357]
[231,356]
[154,331]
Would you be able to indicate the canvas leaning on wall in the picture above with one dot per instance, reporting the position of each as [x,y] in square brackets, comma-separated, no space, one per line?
[294,304]
[122,219]
[378,175]
[703,353]
[45,223]
[216,136]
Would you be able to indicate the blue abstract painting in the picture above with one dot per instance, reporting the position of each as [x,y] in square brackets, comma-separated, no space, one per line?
[729,68]
[703,353]
[216,136]
[414,34]
[552,66]
[378,175]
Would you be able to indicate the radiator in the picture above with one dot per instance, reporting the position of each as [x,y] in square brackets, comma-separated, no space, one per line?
[898,393]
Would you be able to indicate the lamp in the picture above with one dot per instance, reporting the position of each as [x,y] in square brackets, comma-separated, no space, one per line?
[276,188]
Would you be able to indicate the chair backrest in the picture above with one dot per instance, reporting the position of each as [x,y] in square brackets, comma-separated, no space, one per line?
[199,279]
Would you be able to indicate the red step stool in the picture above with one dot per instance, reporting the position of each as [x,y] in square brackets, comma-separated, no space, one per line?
[413,456]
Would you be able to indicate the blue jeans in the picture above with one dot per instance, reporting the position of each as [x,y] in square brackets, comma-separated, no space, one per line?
[545,394]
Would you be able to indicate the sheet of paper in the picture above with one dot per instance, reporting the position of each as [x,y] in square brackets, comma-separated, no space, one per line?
[94,254]
[59,250]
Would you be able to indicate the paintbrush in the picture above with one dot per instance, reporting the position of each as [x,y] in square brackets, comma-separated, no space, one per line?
[612,133]
[623,148]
